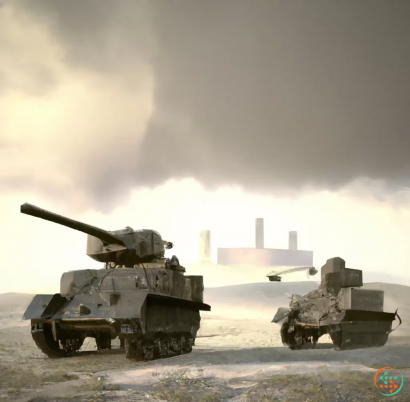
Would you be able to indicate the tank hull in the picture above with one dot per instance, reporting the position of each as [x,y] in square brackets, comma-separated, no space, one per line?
[357,329]
[149,325]
[340,307]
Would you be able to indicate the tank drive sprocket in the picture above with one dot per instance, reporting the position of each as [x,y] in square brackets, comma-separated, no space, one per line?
[42,335]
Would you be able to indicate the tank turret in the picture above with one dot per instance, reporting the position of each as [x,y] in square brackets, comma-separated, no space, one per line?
[120,247]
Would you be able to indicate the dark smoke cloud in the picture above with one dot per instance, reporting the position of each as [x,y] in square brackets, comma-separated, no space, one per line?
[281,94]
[265,94]
[102,35]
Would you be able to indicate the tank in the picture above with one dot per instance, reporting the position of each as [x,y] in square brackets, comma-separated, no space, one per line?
[138,296]
[353,317]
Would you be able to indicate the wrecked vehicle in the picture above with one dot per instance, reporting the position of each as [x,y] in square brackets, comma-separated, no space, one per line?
[139,296]
[353,317]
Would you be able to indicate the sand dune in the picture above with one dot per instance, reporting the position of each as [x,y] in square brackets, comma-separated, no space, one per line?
[372,277]
[14,300]
[216,275]
[12,307]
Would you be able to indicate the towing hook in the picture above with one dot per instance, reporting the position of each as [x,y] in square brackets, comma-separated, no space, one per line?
[395,313]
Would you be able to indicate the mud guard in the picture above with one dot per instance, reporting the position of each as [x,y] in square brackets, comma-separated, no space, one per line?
[37,306]
[281,314]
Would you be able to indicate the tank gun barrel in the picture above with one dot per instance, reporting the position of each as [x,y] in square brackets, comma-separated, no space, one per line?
[101,234]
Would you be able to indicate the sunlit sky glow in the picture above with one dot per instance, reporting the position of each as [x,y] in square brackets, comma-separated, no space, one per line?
[370,235]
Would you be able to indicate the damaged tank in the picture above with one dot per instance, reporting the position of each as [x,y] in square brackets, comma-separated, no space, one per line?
[139,296]
[353,317]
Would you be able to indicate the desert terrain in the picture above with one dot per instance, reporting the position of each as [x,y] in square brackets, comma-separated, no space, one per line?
[238,357]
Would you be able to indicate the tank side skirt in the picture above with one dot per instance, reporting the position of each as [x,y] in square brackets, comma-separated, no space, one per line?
[360,334]
[177,301]
[169,329]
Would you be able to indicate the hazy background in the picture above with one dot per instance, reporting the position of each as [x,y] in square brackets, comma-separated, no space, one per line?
[189,115]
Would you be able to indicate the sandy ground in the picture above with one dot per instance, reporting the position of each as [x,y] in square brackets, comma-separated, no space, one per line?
[238,357]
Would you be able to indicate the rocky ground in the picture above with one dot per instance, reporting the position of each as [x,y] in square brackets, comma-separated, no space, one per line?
[238,357]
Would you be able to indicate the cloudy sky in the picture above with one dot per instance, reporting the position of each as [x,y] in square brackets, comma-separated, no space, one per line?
[188,115]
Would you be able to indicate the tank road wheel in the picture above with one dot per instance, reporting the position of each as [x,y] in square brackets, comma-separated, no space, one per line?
[161,346]
[315,338]
[133,349]
[335,333]
[148,349]
[288,338]
[175,346]
[103,341]
[71,345]
[43,337]
[188,343]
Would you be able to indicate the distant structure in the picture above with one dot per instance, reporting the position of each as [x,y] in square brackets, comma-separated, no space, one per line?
[293,240]
[205,246]
[259,233]
[266,257]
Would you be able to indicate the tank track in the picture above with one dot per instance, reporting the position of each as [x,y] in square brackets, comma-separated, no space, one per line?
[46,343]
[342,337]
[160,347]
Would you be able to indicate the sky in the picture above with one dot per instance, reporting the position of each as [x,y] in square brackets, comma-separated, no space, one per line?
[189,115]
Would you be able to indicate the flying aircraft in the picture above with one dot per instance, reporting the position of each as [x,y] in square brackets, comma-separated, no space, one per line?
[274,276]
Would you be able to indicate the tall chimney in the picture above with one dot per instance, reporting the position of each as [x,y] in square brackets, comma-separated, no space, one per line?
[205,246]
[259,235]
[293,240]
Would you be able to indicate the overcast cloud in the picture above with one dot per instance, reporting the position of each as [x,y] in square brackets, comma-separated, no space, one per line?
[269,95]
